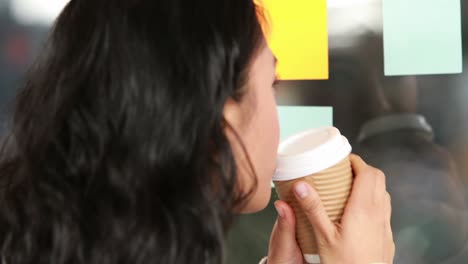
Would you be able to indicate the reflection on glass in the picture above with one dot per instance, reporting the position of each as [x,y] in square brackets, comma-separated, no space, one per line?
[412,127]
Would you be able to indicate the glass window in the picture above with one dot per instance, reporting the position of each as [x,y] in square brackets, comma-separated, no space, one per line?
[414,128]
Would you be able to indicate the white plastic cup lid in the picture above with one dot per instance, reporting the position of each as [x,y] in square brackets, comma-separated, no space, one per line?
[312,258]
[310,152]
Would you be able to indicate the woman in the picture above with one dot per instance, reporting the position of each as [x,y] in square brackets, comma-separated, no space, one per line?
[144,128]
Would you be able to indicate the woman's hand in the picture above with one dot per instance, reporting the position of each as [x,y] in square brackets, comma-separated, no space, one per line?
[364,235]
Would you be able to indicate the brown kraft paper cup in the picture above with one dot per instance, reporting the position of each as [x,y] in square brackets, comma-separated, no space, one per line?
[319,157]
[333,186]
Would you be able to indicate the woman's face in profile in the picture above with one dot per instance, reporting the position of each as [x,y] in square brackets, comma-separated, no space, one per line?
[255,119]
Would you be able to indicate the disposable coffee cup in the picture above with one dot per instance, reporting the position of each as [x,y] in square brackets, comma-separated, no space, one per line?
[319,157]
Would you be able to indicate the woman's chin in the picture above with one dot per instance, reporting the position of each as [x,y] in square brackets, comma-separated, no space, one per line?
[258,201]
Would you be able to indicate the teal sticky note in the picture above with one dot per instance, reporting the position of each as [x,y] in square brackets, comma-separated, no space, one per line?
[422,37]
[294,119]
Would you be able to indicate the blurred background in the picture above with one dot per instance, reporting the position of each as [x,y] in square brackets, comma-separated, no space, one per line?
[23,28]
[415,128]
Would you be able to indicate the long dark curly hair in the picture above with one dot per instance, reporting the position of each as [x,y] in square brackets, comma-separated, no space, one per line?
[116,151]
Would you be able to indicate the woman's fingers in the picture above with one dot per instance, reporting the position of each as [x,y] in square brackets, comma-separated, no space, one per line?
[388,207]
[369,187]
[389,255]
[312,206]
[283,245]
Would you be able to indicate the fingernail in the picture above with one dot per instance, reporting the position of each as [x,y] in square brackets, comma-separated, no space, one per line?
[301,190]
[279,210]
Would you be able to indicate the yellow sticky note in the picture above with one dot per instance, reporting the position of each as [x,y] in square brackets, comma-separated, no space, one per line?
[298,36]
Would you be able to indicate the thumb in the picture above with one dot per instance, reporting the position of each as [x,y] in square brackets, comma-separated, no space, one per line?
[283,245]
[312,207]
